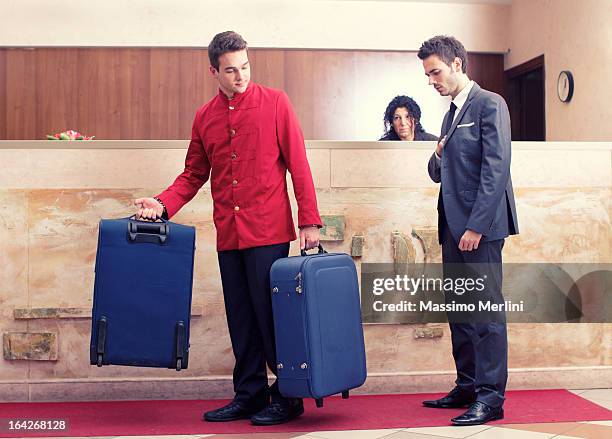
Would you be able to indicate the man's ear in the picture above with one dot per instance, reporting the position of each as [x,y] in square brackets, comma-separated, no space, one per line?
[214,72]
[458,64]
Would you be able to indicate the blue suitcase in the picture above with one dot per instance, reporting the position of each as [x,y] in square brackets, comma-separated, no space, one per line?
[317,324]
[142,294]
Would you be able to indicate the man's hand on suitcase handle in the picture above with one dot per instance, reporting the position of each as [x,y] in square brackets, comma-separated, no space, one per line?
[149,209]
[309,237]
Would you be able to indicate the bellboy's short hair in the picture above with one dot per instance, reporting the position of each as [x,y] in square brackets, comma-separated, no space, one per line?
[228,41]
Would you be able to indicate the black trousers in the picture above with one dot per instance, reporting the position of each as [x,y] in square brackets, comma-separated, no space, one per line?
[245,275]
[480,349]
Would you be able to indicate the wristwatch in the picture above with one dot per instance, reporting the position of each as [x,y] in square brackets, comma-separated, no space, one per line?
[164,214]
[310,225]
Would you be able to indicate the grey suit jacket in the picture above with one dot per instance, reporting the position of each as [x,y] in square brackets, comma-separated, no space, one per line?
[474,170]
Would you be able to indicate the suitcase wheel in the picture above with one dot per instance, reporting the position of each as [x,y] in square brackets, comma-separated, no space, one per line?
[345,394]
[179,363]
[99,363]
[319,402]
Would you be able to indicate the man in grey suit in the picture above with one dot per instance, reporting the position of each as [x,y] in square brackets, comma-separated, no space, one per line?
[476,212]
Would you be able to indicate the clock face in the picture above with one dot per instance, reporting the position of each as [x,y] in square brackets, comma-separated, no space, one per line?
[565,86]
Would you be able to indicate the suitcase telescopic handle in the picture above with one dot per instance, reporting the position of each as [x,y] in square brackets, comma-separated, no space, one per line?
[148,231]
[321,251]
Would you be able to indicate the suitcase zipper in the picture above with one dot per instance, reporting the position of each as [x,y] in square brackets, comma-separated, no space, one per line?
[299,279]
[299,288]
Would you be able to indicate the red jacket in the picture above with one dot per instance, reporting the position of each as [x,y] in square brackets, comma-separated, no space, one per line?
[248,143]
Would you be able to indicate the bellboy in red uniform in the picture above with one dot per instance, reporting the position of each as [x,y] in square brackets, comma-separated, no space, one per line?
[245,139]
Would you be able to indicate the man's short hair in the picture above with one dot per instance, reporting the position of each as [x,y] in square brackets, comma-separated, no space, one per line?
[446,48]
[224,42]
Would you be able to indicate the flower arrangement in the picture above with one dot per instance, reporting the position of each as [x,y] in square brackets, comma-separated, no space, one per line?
[69,135]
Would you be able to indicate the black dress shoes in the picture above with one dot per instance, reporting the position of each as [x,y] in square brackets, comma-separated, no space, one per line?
[279,412]
[479,413]
[457,398]
[233,411]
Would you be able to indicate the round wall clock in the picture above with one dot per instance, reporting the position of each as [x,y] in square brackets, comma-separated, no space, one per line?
[565,86]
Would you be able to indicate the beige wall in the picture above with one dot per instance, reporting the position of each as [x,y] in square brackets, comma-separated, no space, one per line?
[385,25]
[576,36]
[52,199]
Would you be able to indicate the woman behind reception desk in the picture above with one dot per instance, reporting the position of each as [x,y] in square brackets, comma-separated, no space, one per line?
[402,121]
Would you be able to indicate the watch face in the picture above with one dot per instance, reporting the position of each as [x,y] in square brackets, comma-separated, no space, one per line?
[565,86]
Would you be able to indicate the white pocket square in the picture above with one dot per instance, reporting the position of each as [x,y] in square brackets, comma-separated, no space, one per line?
[464,125]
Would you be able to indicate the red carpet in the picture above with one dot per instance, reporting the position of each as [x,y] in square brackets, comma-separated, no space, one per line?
[115,418]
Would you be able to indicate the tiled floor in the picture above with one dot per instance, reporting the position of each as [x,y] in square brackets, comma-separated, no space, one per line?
[562,430]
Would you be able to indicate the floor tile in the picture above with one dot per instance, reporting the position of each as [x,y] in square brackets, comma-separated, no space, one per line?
[608,423]
[577,391]
[549,427]
[353,434]
[452,432]
[510,433]
[402,434]
[590,431]
[288,435]
[605,394]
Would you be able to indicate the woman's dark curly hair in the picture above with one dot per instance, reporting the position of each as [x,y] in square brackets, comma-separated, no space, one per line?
[413,110]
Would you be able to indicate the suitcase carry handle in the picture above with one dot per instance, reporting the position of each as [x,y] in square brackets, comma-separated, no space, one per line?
[148,231]
[321,251]
[142,221]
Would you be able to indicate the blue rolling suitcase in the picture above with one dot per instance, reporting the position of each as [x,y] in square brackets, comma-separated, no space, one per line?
[317,323]
[142,294]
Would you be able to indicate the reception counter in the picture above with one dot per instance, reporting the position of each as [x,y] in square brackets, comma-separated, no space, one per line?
[376,198]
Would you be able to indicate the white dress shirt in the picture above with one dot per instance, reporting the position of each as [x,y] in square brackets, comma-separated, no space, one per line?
[459,102]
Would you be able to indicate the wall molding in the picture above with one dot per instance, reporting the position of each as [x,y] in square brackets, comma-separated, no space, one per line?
[220,386]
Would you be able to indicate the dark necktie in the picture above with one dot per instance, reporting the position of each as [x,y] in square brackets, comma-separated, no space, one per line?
[449,121]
